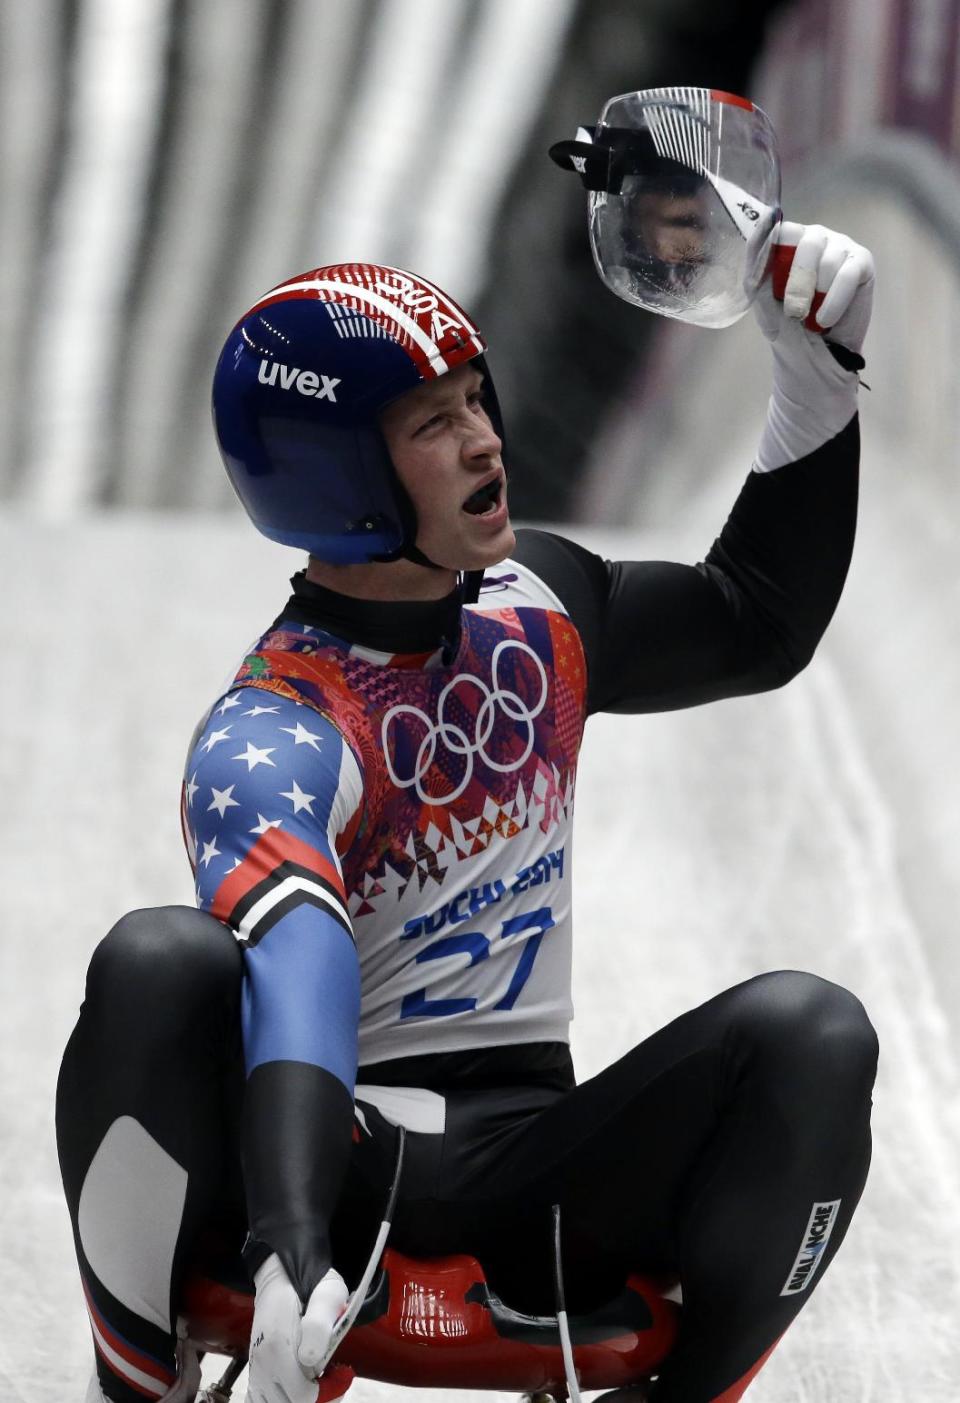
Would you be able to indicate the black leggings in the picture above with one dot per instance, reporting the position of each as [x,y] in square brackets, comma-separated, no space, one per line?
[730,1148]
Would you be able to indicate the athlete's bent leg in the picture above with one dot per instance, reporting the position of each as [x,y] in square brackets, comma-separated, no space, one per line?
[778,1072]
[731,1148]
[147,1130]
[772,1197]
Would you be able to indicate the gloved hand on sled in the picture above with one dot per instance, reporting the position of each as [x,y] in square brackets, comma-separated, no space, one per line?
[288,1344]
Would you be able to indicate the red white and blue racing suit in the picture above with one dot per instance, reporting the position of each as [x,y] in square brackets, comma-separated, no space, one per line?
[379,807]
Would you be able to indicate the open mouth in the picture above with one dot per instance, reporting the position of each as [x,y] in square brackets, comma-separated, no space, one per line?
[485,500]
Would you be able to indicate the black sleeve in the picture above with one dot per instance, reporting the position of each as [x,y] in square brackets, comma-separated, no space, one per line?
[296,1145]
[660,636]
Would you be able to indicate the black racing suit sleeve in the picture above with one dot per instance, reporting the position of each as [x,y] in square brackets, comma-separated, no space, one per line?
[291,1197]
[660,636]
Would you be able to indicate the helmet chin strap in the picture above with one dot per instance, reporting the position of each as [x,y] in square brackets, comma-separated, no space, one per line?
[469,580]
[414,553]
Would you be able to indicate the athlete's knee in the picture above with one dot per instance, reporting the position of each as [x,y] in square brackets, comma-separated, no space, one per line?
[173,956]
[810,1025]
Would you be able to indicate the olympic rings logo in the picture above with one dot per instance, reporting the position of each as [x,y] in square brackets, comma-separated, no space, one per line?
[498,703]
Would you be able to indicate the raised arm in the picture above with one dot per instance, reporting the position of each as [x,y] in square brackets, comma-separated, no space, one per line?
[659,636]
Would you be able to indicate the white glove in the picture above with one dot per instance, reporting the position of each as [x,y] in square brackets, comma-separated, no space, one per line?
[285,1347]
[813,396]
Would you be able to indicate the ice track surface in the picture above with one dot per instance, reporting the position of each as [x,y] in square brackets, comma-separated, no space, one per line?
[711,845]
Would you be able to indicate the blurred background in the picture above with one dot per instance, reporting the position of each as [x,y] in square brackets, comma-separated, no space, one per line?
[164,162]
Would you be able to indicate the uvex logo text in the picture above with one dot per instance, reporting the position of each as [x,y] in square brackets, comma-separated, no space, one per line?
[291,377]
[815,1239]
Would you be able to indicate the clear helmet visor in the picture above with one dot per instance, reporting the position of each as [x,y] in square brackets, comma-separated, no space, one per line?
[685,225]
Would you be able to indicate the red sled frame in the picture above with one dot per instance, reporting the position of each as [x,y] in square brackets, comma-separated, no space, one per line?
[439,1324]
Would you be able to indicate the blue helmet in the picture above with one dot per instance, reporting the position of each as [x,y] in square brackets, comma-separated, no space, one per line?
[297,394]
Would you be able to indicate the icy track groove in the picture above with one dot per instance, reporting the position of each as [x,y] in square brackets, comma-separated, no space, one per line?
[711,845]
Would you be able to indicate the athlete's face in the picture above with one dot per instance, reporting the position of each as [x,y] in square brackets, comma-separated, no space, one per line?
[672,227]
[445,451]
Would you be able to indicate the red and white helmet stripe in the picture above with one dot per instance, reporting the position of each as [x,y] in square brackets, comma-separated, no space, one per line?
[434,331]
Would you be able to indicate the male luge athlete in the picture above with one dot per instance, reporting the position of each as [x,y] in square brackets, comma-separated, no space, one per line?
[379,811]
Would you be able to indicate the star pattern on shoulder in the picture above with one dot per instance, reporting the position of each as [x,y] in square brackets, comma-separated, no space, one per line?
[234,810]
[301,736]
[255,756]
[214,738]
[227,704]
[299,798]
[222,801]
